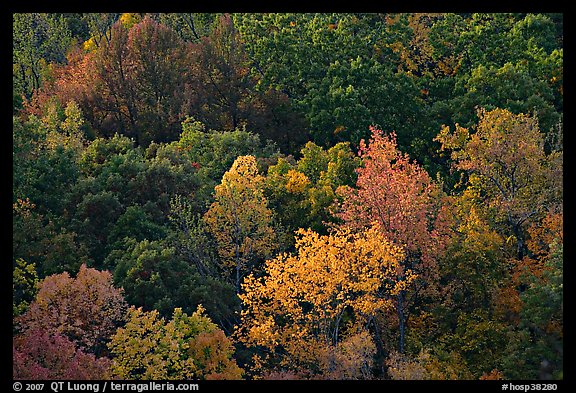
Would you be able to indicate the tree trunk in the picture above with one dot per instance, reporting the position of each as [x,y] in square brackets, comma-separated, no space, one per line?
[519,240]
[238,263]
[401,319]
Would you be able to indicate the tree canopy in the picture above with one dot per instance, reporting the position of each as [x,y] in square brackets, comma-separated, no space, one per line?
[287,196]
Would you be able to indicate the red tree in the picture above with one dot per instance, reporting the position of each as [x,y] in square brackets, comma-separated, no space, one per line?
[137,84]
[227,95]
[144,81]
[400,195]
[86,309]
[38,355]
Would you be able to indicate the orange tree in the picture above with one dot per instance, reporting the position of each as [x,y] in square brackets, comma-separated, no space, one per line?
[310,312]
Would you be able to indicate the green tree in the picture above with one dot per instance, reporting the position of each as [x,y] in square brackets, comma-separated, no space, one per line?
[537,351]
[191,27]
[339,70]
[301,192]
[213,152]
[155,277]
[46,169]
[38,40]
[24,286]
[99,27]
[497,60]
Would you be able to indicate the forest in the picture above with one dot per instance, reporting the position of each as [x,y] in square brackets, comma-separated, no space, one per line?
[282,196]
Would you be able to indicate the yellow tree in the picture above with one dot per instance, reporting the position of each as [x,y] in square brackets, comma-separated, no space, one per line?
[186,347]
[240,220]
[506,160]
[311,311]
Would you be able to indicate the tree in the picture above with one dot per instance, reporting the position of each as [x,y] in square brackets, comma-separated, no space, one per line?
[511,86]
[505,159]
[24,286]
[100,28]
[213,152]
[427,365]
[228,97]
[135,223]
[511,212]
[46,152]
[193,244]
[399,195]
[86,309]
[140,79]
[474,265]
[508,61]
[38,40]
[40,354]
[125,191]
[44,242]
[339,70]
[311,310]
[156,275]
[134,82]
[535,350]
[301,192]
[94,218]
[191,238]
[190,26]
[240,220]
[186,347]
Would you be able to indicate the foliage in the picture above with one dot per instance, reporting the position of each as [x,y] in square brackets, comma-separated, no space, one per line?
[417,157]
[213,152]
[190,26]
[86,309]
[125,193]
[507,162]
[311,309]
[185,347]
[39,40]
[38,354]
[336,68]
[400,196]
[427,365]
[240,220]
[474,264]
[155,276]
[302,191]
[227,97]
[24,282]
[537,349]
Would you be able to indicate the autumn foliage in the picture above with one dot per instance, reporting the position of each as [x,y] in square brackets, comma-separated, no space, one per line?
[39,354]
[86,309]
[282,196]
[186,347]
[240,219]
[313,308]
[400,196]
